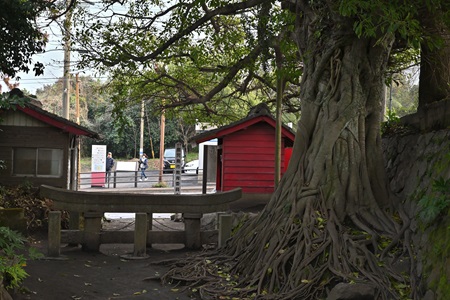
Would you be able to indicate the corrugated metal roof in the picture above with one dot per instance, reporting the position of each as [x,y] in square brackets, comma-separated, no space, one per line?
[37,112]
[254,116]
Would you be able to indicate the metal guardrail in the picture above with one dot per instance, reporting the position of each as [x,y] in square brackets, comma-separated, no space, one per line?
[131,179]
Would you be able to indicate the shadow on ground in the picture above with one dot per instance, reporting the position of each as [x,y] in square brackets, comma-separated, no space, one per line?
[106,275]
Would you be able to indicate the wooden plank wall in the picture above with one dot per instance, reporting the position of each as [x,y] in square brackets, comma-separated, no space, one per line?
[248,159]
[35,137]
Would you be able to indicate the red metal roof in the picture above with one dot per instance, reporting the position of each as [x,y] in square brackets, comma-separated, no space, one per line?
[240,125]
[55,120]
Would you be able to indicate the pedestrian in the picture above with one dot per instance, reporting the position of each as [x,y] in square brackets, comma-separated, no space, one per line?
[109,166]
[143,164]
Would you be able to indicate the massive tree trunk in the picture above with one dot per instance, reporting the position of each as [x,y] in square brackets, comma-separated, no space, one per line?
[325,221]
[433,111]
[434,84]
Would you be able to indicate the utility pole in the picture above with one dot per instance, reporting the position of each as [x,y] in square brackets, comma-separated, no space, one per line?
[66,71]
[161,146]
[141,142]
[159,69]
[77,97]
[150,135]
[78,154]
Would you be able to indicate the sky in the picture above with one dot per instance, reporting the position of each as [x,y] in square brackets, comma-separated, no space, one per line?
[53,60]
[53,70]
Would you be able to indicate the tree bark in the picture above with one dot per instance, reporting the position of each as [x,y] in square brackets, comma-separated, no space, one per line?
[335,180]
[434,83]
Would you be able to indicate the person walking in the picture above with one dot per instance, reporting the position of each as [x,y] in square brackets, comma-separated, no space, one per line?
[143,164]
[109,166]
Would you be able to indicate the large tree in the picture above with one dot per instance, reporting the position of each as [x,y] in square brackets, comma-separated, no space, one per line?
[211,65]
[435,62]
[332,218]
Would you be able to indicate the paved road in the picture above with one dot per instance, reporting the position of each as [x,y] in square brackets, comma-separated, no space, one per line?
[109,215]
[130,179]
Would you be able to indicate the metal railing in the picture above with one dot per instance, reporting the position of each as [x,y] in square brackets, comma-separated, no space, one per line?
[132,179]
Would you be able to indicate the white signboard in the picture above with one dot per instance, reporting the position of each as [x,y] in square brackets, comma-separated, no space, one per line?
[98,158]
[126,166]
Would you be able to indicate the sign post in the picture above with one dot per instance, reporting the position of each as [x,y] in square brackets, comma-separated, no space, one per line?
[98,166]
[177,171]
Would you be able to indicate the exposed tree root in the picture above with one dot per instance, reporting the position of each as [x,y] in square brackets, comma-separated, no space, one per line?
[302,258]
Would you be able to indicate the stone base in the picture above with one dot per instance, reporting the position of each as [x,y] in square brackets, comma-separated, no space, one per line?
[4,295]
[14,219]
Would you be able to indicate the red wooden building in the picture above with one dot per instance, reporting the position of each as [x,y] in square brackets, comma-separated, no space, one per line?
[246,153]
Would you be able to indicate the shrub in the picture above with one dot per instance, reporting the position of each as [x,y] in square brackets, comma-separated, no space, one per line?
[436,203]
[12,259]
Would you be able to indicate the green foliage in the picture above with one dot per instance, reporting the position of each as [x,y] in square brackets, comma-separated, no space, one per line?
[436,203]
[9,102]
[12,259]
[161,184]
[391,124]
[386,18]
[403,92]
[117,121]
[95,108]
[220,58]
[192,155]
[219,68]
[436,255]
[20,36]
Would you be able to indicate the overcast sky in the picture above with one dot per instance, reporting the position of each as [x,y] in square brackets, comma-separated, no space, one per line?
[53,60]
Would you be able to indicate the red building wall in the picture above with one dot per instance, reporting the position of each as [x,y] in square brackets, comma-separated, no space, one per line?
[248,159]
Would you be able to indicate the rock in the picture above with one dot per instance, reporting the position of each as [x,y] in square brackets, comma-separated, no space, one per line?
[429,295]
[4,295]
[209,221]
[357,291]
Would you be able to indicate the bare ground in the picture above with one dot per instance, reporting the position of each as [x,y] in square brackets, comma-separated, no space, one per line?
[105,275]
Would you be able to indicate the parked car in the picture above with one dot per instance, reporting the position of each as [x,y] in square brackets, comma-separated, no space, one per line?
[169,160]
[191,167]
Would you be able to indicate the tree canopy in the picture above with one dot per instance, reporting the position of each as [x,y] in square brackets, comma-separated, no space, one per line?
[211,64]
[20,36]
[229,46]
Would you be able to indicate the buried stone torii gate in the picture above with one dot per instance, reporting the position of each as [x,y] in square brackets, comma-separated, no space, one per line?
[93,205]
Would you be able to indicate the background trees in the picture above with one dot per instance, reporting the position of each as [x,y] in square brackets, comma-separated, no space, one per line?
[98,114]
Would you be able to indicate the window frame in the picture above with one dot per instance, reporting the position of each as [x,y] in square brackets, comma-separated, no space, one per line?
[37,159]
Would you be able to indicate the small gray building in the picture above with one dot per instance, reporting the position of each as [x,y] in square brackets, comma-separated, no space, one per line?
[39,147]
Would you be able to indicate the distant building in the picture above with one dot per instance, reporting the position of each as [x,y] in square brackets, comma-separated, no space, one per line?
[246,153]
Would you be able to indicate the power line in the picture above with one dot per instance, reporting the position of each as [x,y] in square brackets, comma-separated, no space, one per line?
[56,77]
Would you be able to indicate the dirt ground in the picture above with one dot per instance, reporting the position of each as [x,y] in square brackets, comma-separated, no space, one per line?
[106,275]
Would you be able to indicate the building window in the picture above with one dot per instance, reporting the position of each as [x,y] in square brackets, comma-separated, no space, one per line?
[38,162]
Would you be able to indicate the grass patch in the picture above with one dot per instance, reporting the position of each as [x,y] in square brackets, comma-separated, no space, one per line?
[153,164]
